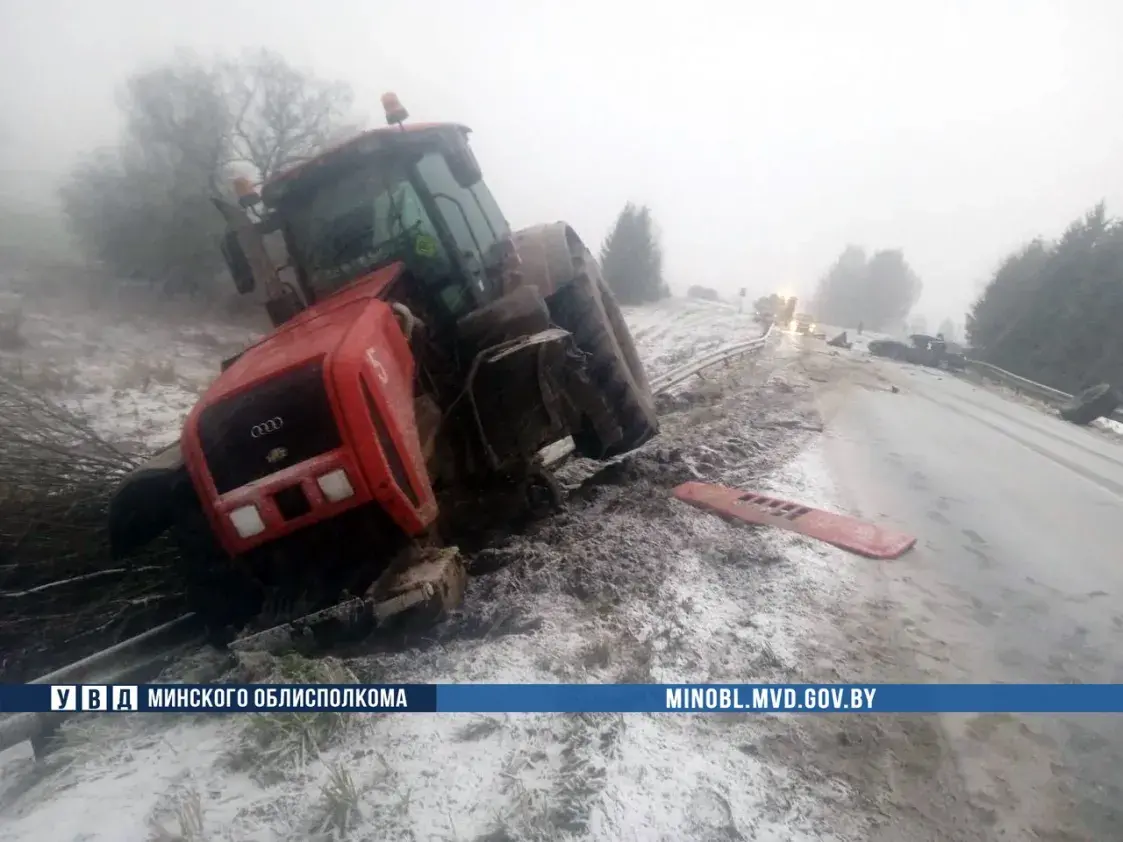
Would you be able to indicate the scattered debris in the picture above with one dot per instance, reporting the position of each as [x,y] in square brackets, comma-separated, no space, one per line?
[793,424]
[847,533]
[931,351]
[1094,402]
[840,341]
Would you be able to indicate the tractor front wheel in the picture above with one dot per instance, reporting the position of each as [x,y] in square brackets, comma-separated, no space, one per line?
[220,593]
[587,309]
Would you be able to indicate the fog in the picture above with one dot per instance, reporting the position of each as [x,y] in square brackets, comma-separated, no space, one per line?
[764,139]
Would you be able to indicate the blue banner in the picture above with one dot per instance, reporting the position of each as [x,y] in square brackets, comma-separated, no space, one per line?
[566,698]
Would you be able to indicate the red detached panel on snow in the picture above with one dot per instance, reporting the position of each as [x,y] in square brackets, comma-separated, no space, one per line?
[844,532]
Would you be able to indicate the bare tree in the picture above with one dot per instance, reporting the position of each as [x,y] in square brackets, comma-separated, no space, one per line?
[178,119]
[60,595]
[280,114]
[144,207]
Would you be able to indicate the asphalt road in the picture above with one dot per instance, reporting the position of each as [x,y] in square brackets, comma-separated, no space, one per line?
[1017,577]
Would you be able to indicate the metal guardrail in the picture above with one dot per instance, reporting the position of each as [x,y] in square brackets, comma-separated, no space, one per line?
[1038,390]
[140,667]
[144,656]
[1022,384]
[173,632]
[684,372]
[134,660]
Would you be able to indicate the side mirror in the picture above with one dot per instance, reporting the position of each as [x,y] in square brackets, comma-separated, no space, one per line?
[462,164]
[237,263]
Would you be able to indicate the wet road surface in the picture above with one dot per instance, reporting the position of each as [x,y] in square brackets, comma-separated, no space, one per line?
[1017,577]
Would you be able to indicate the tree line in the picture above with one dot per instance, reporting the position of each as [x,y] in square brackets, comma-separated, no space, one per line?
[874,291]
[1052,310]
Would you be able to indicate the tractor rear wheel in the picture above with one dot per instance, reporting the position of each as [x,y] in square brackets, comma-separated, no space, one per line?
[587,308]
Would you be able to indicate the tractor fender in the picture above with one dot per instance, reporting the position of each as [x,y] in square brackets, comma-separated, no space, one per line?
[550,256]
[145,502]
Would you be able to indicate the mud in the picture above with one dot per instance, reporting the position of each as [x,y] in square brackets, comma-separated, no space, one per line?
[637,624]
[628,585]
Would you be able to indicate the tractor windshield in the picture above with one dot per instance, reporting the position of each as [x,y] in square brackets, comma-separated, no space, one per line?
[359,221]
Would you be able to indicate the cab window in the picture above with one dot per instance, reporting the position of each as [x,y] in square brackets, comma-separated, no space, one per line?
[467,222]
[353,224]
[490,209]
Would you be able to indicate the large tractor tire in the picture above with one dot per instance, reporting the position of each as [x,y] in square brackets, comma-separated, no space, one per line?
[554,260]
[220,593]
[587,309]
[1094,402]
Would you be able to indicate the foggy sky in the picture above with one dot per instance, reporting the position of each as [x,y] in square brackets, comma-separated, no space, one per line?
[764,139]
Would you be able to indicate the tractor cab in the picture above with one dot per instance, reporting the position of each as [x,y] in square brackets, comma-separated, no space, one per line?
[411,195]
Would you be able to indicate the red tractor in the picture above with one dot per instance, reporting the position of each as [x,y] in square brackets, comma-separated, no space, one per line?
[422,356]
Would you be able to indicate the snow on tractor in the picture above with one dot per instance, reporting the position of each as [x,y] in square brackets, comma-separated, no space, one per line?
[422,355]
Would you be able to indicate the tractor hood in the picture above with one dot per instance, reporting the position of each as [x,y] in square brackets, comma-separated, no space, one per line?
[145,502]
[310,335]
[280,404]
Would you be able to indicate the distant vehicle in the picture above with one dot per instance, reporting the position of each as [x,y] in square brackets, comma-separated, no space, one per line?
[925,350]
[774,309]
[803,324]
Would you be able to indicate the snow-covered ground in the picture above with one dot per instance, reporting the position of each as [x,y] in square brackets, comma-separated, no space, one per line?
[134,377]
[626,585]
[671,332]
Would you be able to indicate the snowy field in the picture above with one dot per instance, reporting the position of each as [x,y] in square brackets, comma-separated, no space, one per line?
[134,377]
[626,585]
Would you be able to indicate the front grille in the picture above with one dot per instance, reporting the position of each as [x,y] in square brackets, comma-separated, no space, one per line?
[292,503]
[276,424]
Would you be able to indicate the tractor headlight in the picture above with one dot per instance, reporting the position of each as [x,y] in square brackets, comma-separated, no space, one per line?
[247,521]
[335,485]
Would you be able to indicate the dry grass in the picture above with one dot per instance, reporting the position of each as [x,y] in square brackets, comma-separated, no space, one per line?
[338,810]
[187,813]
[272,743]
[58,596]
